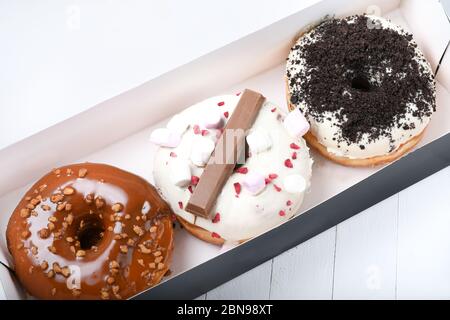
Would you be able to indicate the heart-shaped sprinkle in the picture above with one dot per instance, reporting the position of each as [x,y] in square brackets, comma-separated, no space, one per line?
[282,213]
[180,204]
[216,218]
[215,235]
[237,187]
[288,163]
[294,146]
[242,170]
[194,180]
[277,188]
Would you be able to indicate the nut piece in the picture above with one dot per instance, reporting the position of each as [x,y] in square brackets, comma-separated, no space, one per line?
[81,253]
[44,233]
[138,230]
[65,272]
[123,249]
[57,197]
[117,207]
[25,234]
[68,191]
[82,173]
[153,229]
[44,265]
[99,202]
[25,213]
[144,249]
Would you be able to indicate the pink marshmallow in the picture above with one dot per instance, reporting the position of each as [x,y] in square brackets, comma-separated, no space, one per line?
[254,183]
[165,138]
[296,124]
[211,119]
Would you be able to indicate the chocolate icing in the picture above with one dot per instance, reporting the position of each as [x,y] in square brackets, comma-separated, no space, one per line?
[90,216]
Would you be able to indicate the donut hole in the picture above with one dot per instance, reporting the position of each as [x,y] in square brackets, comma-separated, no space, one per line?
[90,232]
[361,83]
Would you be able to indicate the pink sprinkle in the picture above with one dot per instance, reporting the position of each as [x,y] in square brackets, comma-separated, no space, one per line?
[205,132]
[288,203]
[190,189]
[180,204]
[195,180]
[237,187]
[267,180]
[216,218]
[221,103]
[197,129]
[273,110]
[242,170]
[173,217]
[294,146]
[238,94]
[294,155]
[277,188]
[215,235]
[288,163]
[273,176]
[173,154]
[282,213]
[226,114]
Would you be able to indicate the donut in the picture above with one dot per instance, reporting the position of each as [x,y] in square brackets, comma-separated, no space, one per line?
[90,231]
[261,193]
[365,88]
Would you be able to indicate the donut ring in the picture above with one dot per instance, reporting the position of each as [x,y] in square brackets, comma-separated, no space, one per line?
[90,231]
[349,128]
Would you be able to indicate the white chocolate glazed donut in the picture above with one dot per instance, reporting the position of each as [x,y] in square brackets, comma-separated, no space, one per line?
[242,209]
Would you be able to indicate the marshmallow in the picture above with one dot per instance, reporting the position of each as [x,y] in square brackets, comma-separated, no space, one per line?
[178,124]
[294,183]
[296,124]
[211,118]
[180,173]
[165,137]
[258,141]
[201,151]
[254,183]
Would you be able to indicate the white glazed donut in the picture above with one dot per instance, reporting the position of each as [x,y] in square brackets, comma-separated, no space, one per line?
[247,206]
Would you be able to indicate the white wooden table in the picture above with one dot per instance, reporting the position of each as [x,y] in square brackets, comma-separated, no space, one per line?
[60,57]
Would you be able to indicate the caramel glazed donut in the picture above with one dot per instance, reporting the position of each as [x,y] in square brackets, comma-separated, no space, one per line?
[262,193]
[90,231]
[365,88]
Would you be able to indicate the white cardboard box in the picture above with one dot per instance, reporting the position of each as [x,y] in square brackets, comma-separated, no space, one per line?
[121,125]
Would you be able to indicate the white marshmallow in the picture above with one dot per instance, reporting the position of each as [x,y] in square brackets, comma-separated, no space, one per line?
[202,148]
[259,141]
[296,124]
[180,172]
[178,124]
[254,183]
[294,183]
[165,138]
[211,118]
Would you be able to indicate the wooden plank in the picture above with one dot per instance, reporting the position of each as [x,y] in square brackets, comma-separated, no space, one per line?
[424,239]
[306,271]
[366,245]
[254,284]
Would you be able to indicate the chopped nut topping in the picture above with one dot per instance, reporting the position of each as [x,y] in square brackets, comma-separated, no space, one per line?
[35,201]
[51,226]
[30,206]
[141,262]
[56,267]
[110,228]
[105,295]
[153,229]
[81,253]
[124,235]
[68,207]
[99,202]
[68,191]
[127,217]
[123,249]
[57,171]
[42,187]
[44,233]
[30,269]
[27,198]
[117,237]
[53,291]
[72,249]
[69,172]
[115,289]
[82,173]
[138,218]
[152,265]
[160,266]
[61,206]
[25,213]
[65,272]
[50,274]
[25,234]
[34,213]
[157,253]
[144,273]
[130,242]
[44,265]
[94,248]
[69,219]
[76,292]
[138,230]
[144,249]
[52,219]
[70,239]
[110,280]
[114,265]
[158,259]
[117,207]
[45,207]
[20,246]
[34,250]
[57,197]
[52,249]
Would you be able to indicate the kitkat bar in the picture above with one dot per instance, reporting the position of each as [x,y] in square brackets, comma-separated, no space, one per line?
[229,148]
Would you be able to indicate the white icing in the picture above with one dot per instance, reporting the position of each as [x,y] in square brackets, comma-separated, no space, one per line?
[247,215]
[326,130]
